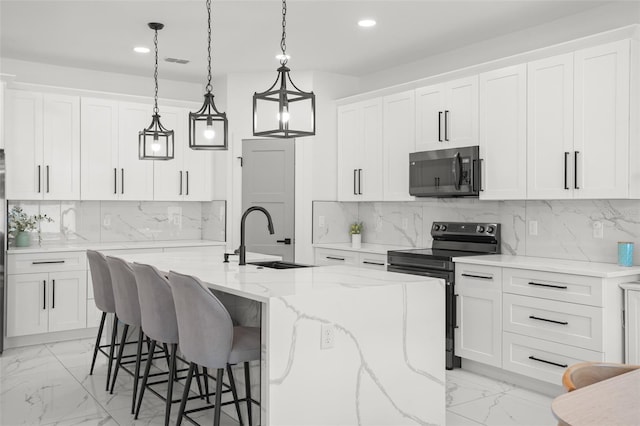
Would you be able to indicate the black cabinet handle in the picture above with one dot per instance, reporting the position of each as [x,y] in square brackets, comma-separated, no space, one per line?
[335,258]
[46,262]
[286,241]
[548,362]
[122,180]
[372,263]
[455,316]
[566,160]
[478,276]
[439,126]
[446,126]
[359,181]
[47,179]
[355,190]
[187,173]
[548,320]
[53,303]
[563,287]
[575,169]
[39,177]
[180,172]
[115,180]
[44,294]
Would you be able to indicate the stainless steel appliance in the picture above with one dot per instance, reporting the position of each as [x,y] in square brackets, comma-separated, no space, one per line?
[451,172]
[3,243]
[450,239]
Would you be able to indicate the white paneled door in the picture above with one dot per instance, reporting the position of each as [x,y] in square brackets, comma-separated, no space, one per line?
[135,175]
[398,141]
[67,300]
[27,311]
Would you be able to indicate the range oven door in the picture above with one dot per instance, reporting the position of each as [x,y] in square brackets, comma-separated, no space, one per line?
[451,172]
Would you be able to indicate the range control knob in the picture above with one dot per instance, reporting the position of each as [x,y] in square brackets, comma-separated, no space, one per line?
[490,229]
[443,227]
[480,228]
[436,227]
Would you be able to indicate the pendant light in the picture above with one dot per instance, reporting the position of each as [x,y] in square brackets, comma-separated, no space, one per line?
[155,142]
[208,127]
[284,111]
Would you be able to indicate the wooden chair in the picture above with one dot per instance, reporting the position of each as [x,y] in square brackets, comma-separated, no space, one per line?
[587,373]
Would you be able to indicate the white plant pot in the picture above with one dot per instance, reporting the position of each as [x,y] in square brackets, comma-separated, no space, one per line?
[356,241]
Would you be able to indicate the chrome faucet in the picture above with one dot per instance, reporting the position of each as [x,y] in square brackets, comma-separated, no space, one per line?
[243,248]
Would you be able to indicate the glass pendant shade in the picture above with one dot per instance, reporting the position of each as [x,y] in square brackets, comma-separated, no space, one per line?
[284,111]
[155,142]
[208,127]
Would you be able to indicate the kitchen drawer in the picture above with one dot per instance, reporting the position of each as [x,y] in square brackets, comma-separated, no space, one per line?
[336,257]
[478,276]
[548,285]
[373,261]
[542,359]
[562,322]
[30,263]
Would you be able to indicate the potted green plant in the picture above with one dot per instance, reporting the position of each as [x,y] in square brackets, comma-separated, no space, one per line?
[356,234]
[20,225]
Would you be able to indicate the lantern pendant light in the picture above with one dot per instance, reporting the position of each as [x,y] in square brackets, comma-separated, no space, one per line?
[208,127]
[284,111]
[156,141]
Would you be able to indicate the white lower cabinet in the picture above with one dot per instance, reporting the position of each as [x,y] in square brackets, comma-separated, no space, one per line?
[632,322]
[368,260]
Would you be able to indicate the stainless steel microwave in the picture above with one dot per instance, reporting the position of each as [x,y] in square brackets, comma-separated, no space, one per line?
[453,172]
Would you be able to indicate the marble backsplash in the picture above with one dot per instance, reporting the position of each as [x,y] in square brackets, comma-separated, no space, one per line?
[116,221]
[565,228]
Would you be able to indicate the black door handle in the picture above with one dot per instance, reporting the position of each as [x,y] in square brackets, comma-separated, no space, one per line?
[355,188]
[446,124]
[566,159]
[286,241]
[575,169]
[439,126]
[39,178]
[53,303]
[44,294]
[187,173]
[47,179]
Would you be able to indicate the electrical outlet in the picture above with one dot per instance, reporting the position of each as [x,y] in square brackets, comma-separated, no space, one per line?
[533,227]
[598,229]
[405,223]
[327,336]
[321,221]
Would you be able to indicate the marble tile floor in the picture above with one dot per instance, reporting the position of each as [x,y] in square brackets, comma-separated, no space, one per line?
[50,385]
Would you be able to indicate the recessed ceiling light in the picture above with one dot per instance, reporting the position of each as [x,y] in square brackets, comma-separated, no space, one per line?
[141,49]
[280,57]
[366,23]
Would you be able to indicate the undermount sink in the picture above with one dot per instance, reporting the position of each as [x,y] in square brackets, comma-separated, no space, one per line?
[279,264]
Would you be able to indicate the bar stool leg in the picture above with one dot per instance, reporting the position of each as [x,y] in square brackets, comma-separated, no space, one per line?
[206,383]
[137,374]
[143,385]
[247,385]
[114,334]
[172,370]
[198,382]
[123,340]
[234,392]
[185,394]
[216,410]
[97,347]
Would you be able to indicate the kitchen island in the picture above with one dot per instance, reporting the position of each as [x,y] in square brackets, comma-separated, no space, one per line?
[340,345]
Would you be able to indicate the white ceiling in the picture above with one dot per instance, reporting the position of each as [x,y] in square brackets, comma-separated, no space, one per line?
[321,34]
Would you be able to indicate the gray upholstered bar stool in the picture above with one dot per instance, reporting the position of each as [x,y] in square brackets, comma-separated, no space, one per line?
[209,339]
[103,297]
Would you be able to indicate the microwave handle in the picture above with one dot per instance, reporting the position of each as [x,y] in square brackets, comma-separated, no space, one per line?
[457,170]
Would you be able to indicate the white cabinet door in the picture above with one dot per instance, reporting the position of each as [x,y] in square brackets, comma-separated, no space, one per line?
[24,145]
[460,126]
[429,110]
[27,311]
[3,89]
[198,167]
[67,300]
[370,174]
[61,163]
[99,149]
[632,327]
[503,133]
[135,175]
[601,132]
[550,128]
[169,175]
[398,142]
[349,141]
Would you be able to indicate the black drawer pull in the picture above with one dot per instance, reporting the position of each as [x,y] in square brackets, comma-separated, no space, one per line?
[44,294]
[335,258]
[563,287]
[372,263]
[548,320]
[53,284]
[45,262]
[548,362]
[477,276]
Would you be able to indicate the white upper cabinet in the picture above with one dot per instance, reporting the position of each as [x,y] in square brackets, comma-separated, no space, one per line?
[601,123]
[42,146]
[398,142]
[360,151]
[447,115]
[503,133]
[550,128]
[136,176]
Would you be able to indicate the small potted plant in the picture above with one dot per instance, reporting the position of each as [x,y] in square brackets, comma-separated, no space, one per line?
[20,225]
[356,234]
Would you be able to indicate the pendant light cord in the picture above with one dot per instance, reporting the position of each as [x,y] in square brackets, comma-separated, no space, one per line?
[209,86]
[283,40]
[155,75]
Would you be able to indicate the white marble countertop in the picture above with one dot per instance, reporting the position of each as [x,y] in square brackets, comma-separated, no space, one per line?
[592,269]
[365,248]
[263,284]
[81,245]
